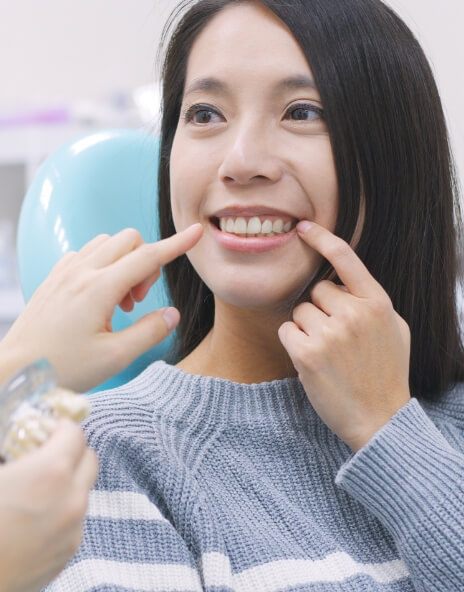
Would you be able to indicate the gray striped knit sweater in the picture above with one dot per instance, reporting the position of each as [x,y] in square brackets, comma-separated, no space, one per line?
[207,484]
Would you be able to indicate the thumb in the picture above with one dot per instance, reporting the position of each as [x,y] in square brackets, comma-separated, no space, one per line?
[145,333]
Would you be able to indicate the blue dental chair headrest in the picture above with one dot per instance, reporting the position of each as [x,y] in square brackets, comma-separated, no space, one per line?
[100,183]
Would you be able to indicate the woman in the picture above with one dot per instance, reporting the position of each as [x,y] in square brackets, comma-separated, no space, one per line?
[43,497]
[284,445]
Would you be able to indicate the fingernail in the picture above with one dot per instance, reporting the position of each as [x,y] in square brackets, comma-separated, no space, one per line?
[303,226]
[171,317]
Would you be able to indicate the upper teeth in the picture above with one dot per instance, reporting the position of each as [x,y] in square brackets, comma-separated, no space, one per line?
[254,226]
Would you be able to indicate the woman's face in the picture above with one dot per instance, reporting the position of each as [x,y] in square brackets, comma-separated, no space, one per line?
[251,142]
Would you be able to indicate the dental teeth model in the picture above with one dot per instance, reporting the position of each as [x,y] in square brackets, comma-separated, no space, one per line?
[30,406]
[254,226]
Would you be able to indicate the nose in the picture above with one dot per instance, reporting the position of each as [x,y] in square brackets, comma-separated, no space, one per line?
[249,155]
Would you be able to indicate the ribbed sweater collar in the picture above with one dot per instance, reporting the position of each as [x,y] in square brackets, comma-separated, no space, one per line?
[182,395]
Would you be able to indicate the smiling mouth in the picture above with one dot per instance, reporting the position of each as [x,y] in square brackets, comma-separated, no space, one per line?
[270,229]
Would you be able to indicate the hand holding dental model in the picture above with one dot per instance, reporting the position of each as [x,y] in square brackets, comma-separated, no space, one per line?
[44,494]
[68,319]
[350,347]
[43,499]
[31,406]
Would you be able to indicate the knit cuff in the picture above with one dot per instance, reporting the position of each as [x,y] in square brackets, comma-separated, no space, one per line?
[405,471]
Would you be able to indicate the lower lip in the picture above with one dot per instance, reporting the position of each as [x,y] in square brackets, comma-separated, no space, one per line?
[253,244]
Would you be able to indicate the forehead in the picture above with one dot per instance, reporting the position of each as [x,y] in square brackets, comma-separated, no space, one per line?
[246,40]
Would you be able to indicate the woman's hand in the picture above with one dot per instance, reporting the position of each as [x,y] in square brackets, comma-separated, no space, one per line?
[68,318]
[349,346]
[43,500]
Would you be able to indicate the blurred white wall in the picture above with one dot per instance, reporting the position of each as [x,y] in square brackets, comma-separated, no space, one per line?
[438,27]
[54,50]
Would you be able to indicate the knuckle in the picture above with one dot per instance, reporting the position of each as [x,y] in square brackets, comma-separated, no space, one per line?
[133,234]
[67,258]
[304,355]
[320,289]
[314,292]
[299,310]
[349,318]
[83,280]
[324,283]
[150,250]
[76,279]
[299,358]
[330,333]
[314,360]
[381,306]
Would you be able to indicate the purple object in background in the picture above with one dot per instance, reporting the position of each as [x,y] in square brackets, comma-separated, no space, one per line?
[48,116]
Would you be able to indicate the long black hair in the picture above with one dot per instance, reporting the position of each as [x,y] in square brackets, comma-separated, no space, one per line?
[390,145]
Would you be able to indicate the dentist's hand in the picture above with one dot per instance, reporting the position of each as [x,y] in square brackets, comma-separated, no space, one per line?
[68,319]
[43,500]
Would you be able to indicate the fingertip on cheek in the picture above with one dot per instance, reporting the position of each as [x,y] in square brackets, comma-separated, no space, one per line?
[304,225]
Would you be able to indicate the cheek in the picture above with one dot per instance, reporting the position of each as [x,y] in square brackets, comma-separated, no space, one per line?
[319,180]
[184,176]
[192,170]
[178,171]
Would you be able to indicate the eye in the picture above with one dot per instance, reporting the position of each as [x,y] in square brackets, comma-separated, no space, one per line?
[202,111]
[201,114]
[305,112]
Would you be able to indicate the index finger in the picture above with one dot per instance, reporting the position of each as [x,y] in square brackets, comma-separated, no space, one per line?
[349,267]
[142,262]
[172,247]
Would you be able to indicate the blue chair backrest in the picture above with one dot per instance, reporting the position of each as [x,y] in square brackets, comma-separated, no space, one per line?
[100,183]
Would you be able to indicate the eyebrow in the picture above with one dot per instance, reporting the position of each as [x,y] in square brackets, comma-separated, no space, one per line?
[216,86]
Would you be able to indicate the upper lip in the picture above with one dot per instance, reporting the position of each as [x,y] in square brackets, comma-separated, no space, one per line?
[238,211]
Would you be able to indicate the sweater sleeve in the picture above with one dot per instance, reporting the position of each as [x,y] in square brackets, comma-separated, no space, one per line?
[412,479]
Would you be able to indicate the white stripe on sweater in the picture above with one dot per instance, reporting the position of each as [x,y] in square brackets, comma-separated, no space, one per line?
[269,577]
[334,568]
[143,577]
[122,505]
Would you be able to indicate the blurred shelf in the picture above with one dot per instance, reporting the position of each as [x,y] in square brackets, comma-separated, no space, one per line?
[30,145]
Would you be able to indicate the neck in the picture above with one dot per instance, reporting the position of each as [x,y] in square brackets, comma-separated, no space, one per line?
[243,346]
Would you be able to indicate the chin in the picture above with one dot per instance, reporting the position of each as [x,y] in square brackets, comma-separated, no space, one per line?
[253,295]
[250,285]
